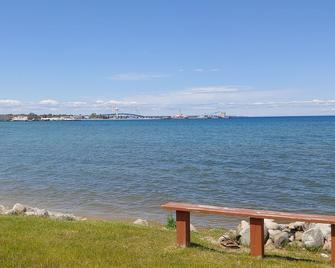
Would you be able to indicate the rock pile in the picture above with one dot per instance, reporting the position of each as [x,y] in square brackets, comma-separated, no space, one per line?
[19,209]
[301,234]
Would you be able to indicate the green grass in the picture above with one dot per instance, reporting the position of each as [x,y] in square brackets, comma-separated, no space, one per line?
[37,242]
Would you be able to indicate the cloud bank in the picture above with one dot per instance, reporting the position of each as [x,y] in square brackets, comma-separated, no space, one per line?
[236,100]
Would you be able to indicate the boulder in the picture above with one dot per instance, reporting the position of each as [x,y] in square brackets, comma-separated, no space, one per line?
[324,228]
[272,233]
[327,246]
[280,239]
[2,210]
[245,236]
[297,226]
[271,225]
[141,222]
[243,225]
[18,209]
[269,244]
[298,236]
[231,234]
[63,217]
[313,238]
[36,212]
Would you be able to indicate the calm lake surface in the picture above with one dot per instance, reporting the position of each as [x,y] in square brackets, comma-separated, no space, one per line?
[127,169]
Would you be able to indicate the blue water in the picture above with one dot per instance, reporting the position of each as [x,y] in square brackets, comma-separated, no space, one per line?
[126,169]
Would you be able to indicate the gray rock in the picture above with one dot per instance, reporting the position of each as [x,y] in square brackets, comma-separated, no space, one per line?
[291,238]
[280,239]
[298,226]
[243,225]
[36,212]
[245,236]
[2,210]
[327,246]
[271,225]
[298,236]
[141,222]
[231,234]
[313,238]
[269,244]
[63,217]
[18,209]
[325,229]
[272,233]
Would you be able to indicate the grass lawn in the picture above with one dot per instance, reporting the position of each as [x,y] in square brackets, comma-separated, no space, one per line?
[39,242]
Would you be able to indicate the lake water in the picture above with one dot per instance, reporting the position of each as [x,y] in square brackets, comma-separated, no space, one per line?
[127,169]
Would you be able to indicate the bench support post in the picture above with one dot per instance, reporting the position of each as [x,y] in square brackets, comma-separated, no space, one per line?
[257,237]
[333,244]
[183,228]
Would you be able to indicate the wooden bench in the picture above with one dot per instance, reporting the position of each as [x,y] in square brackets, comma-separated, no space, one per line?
[256,223]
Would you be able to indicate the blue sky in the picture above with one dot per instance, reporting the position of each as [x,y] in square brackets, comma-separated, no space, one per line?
[162,57]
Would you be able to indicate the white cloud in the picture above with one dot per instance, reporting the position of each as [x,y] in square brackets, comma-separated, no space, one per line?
[199,70]
[202,70]
[213,90]
[49,102]
[76,104]
[136,76]
[10,103]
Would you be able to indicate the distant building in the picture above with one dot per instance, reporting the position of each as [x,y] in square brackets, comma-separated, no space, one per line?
[20,118]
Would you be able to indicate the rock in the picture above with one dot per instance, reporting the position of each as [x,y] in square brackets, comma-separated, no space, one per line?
[141,222]
[227,242]
[298,226]
[18,209]
[272,233]
[63,217]
[324,255]
[327,246]
[291,238]
[280,239]
[325,229]
[298,236]
[243,225]
[269,244]
[245,237]
[309,225]
[2,210]
[271,225]
[243,233]
[192,228]
[313,238]
[36,212]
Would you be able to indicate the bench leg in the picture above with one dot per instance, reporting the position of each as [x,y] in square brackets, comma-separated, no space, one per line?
[183,228]
[333,244]
[257,237]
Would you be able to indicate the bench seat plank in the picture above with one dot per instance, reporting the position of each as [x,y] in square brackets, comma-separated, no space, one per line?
[250,213]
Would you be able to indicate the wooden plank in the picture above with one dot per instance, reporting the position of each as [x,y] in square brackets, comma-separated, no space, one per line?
[183,228]
[257,237]
[333,244]
[250,213]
